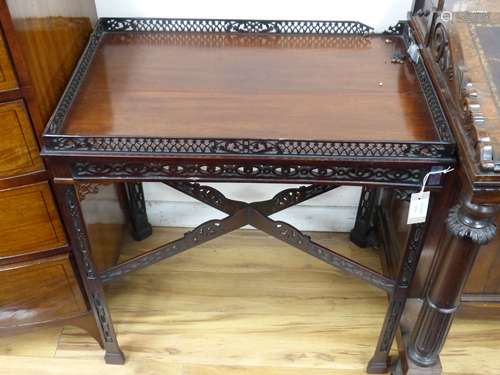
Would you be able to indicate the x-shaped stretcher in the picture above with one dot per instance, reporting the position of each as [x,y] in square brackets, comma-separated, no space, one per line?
[257,215]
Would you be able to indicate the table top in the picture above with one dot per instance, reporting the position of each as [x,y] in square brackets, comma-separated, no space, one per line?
[263,86]
[247,82]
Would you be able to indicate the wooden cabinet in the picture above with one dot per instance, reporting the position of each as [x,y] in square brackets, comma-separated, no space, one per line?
[40,43]
[18,147]
[483,285]
[49,289]
[29,221]
[7,76]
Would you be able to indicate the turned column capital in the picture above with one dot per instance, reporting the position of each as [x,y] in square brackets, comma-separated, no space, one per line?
[473,222]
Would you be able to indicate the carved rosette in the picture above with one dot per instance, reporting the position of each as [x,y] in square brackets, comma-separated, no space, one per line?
[472,222]
[440,49]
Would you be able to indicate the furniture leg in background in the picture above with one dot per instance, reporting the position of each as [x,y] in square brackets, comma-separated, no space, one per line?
[135,208]
[363,234]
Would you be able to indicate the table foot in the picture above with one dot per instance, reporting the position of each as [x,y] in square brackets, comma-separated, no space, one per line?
[379,364]
[114,358]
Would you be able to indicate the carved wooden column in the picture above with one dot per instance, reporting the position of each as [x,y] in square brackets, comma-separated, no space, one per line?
[469,227]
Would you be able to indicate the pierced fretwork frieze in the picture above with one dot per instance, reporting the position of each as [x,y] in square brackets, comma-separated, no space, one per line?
[435,109]
[234,26]
[56,121]
[223,171]
[339,149]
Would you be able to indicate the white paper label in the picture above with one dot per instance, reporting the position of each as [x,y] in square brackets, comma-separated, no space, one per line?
[414,53]
[418,207]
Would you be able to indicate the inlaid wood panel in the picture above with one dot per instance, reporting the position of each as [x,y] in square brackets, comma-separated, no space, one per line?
[7,76]
[49,291]
[29,220]
[18,147]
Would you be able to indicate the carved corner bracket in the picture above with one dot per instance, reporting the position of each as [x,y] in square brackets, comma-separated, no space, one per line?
[86,188]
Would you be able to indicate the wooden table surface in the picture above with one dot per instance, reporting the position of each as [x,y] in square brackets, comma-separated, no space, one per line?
[227,85]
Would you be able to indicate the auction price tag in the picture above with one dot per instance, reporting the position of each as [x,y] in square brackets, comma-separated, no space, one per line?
[419,203]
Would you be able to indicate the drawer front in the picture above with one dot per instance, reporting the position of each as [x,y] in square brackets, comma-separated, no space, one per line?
[29,220]
[18,147]
[39,291]
[7,76]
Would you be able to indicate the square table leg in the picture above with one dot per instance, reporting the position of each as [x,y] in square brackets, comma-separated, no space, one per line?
[363,234]
[70,208]
[380,362]
[136,211]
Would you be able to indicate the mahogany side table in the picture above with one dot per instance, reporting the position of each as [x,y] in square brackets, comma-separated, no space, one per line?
[177,101]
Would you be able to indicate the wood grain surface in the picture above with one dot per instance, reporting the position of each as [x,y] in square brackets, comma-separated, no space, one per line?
[259,86]
[49,288]
[7,75]
[19,152]
[30,221]
[245,304]
[52,35]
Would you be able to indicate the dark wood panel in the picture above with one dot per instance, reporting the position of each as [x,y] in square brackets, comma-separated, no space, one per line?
[485,275]
[19,152]
[262,86]
[29,221]
[39,291]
